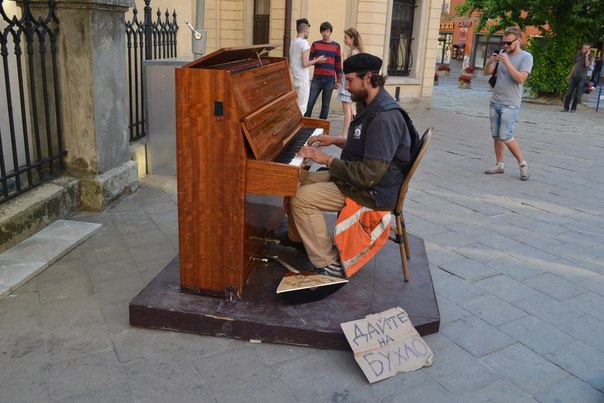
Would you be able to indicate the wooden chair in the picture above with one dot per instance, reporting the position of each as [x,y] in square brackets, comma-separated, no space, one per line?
[400,232]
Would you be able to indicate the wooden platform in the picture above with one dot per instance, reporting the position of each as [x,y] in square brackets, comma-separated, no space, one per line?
[262,315]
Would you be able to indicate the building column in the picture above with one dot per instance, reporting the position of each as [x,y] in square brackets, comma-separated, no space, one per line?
[94,97]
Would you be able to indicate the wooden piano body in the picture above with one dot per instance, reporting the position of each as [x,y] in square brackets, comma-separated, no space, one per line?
[235,112]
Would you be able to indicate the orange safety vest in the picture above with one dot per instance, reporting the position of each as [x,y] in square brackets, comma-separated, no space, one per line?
[359,233]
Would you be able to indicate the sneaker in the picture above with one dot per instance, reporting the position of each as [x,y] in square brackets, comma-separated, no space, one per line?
[495,170]
[573,110]
[524,172]
[564,110]
[334,269]
[284,240]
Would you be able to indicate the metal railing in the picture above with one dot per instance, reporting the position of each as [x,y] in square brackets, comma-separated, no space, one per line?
[401,37]
[146,40]
[31,142]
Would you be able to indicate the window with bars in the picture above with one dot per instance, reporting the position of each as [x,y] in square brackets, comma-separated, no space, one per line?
[401,37]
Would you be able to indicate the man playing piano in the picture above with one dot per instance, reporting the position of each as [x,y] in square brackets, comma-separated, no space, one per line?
[375,157]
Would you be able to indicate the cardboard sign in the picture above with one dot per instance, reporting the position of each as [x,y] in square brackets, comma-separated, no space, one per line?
[386,343]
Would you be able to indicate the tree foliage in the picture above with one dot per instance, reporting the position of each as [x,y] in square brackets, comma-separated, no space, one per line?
[564,25]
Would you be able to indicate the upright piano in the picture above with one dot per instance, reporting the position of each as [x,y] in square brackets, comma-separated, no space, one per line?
[238,126]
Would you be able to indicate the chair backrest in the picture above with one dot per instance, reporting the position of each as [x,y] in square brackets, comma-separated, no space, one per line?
[423,147]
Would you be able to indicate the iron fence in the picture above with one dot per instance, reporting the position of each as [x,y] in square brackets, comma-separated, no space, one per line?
[31,143]
[146,40]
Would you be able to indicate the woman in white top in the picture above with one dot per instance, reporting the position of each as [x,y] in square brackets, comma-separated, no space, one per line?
[354,44]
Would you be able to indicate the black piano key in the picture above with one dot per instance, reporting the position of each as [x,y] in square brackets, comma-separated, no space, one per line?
[289,152]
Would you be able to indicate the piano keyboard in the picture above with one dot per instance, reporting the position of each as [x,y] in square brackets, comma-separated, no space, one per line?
[288,156]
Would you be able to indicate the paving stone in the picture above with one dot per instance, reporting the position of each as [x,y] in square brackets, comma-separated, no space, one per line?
[449,311]
[152,252]
[232,369]
[459,372]
[399,385]
[67,288]
[428,391]
[324,388]
[476,336]
[276,353]
[85,373]
[590,303]
[271,390]
[120,289]
[468,270]
[506,288]
[547,309]
[482,253]
[499,391]
[455,289]
[571,390]
[151,376]
[587,329]
[582,361]
[95,254]
[492,310]
[190,346]
[536,334]
[515,268]
[111,270]
[36,387]
[109,394]
[595,284]
[438,255]
[555,286]
[437,341]
[523,368]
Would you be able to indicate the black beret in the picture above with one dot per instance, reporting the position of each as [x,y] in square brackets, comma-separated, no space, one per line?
[361,63]
[302,21]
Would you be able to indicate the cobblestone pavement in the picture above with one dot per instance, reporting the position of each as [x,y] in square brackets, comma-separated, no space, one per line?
[518,269]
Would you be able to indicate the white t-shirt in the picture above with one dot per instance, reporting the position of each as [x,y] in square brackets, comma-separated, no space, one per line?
[299,72]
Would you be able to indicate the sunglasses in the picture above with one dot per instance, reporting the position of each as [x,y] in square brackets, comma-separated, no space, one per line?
[508,43]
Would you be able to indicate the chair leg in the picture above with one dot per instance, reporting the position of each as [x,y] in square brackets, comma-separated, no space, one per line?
[404,231]
[400,233]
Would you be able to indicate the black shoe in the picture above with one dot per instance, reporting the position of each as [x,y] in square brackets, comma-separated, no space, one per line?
[284,240]
[334,269]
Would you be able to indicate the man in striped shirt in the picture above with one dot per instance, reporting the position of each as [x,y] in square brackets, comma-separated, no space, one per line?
[327,75]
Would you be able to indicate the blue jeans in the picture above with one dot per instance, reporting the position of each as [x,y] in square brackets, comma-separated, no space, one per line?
[576,88]
[503,118]
[318,84]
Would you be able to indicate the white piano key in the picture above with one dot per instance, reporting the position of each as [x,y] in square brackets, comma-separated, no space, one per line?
[298,160]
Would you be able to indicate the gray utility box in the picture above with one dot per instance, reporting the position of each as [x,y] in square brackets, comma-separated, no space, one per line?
[160,110]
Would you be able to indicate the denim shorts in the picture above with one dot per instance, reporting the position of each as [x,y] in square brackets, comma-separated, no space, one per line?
[503,118]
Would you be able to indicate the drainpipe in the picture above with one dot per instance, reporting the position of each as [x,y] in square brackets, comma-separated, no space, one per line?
[198,35]
[287,37]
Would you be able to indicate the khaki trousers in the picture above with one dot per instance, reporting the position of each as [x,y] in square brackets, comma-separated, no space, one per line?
[305,217]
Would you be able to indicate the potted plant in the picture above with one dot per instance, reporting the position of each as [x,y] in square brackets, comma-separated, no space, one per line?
[469,70]
[464,81]
[443,69]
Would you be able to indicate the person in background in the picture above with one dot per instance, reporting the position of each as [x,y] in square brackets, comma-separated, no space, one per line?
[513,69]
[597,71]
[327,74]
[299,63]
[354,45]
[577,78]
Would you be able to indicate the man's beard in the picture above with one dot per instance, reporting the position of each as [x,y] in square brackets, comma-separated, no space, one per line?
[359,96]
